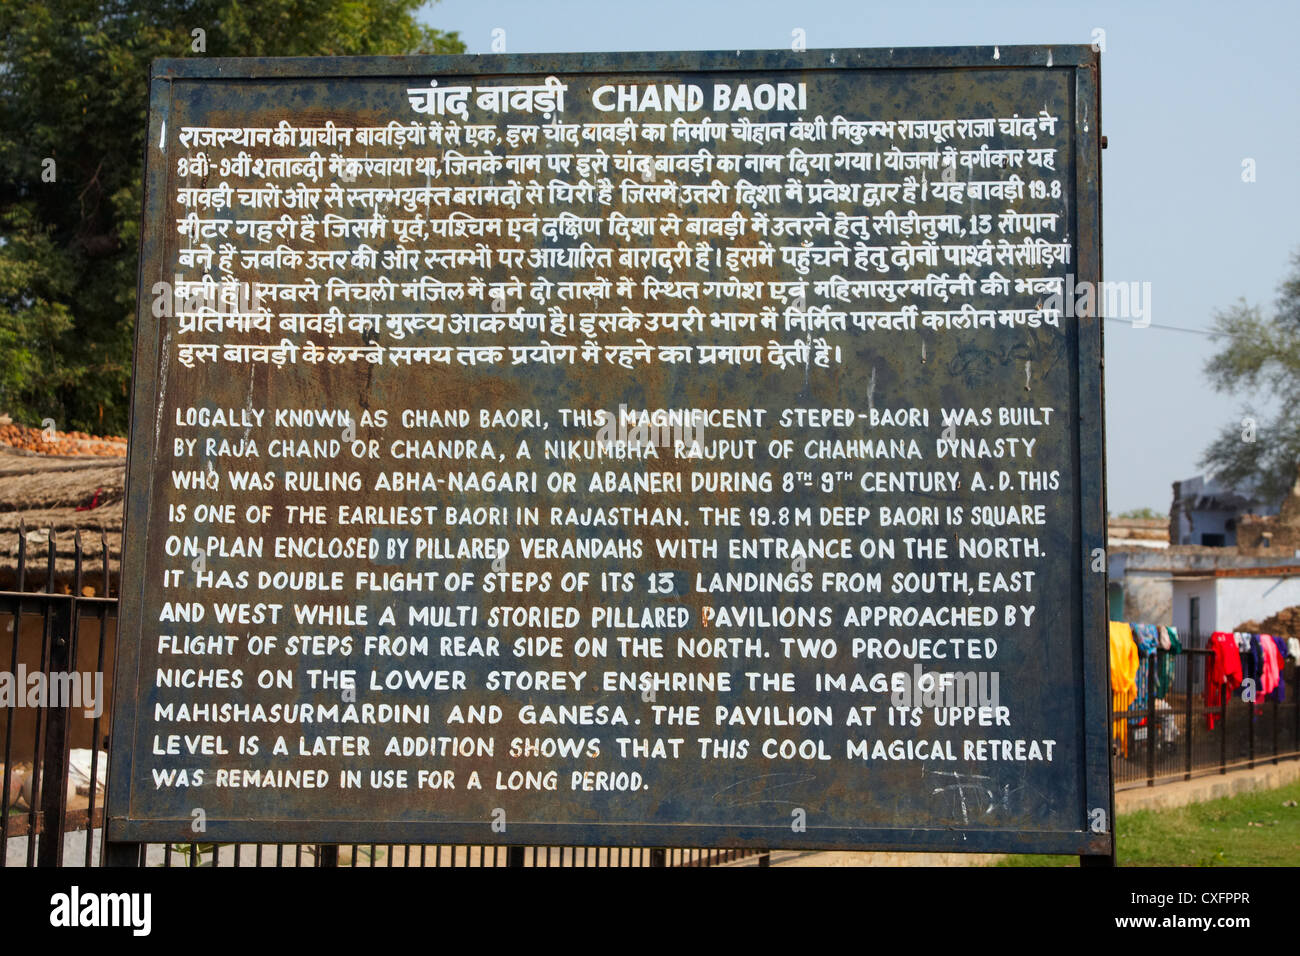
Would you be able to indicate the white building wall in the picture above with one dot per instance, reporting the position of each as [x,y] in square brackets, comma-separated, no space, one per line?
[1252,599]
[1148,597]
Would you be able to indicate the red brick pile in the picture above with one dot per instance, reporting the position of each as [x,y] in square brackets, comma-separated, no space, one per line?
[1285,623]
[61,443]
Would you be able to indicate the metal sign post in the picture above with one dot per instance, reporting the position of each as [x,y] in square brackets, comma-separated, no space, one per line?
[681,449]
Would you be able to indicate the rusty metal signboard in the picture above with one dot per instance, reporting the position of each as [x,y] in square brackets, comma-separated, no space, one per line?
[696,449]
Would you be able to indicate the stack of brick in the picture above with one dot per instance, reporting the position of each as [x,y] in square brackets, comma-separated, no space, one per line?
[1285,623]
[53,442]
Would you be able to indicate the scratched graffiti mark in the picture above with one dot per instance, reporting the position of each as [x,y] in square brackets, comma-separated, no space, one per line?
[970,792]
[759,788]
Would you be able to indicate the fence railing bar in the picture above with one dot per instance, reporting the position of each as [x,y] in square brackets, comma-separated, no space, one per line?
[1188,674]
[96,725]
[17,619]
[1223,726]
[37,789]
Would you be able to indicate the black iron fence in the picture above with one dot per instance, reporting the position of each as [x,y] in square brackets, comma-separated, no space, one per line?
[1174,734]
[63,628]
[58,616]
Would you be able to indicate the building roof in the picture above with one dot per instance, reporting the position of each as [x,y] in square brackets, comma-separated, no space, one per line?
[1208,493]
[1269,571]
[1137,532]
[48,495]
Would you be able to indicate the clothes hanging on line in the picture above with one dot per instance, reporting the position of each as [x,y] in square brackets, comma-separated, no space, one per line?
[1165,662]
[1224,671]
[1279,694]
[1123,678]
[1270,667]
[1147,639]
[1256,658]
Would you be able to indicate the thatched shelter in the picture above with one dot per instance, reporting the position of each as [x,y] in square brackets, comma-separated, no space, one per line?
[55,495]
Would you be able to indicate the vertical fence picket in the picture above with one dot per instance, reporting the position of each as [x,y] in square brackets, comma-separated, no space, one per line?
[16,605]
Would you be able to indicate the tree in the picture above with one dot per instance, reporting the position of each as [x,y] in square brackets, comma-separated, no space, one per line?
[1146,514]
[1261,353]
[73,105]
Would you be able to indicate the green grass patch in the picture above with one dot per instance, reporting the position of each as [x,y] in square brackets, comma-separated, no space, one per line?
[1254,829]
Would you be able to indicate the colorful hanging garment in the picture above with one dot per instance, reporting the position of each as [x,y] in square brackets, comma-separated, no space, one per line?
[1224,668]
[1147,639]
[1123,671]
[1279,694]
[1252,660]
[1270,669]
[1165,662]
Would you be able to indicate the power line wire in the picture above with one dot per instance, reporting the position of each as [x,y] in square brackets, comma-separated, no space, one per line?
[1168,328]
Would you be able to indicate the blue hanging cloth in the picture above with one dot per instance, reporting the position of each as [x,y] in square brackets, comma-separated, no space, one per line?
[1147,638]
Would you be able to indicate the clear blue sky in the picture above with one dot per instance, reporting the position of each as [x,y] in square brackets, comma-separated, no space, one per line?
[1188,91]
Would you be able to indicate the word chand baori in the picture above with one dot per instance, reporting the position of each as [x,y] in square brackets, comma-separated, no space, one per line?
[687,97]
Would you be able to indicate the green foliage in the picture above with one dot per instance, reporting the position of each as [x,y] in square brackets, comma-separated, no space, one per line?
[1147,514]
[74,91]
[1262,354]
